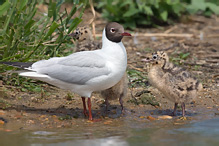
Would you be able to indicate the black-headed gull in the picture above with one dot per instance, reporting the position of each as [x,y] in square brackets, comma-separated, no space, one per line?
[86,42]
[87,71]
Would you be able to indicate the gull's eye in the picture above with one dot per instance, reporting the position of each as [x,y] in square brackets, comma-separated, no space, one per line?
[112,30]
[154,56]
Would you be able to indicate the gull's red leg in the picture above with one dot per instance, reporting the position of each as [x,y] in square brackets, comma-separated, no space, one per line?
[89,109]
[84,105]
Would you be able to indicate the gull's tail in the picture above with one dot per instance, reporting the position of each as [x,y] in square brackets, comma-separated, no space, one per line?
[23,65]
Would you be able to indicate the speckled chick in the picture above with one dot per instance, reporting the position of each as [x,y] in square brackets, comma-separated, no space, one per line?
[85,40]
[174,82]
[85,43]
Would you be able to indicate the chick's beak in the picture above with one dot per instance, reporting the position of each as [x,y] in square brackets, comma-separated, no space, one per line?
[146,60]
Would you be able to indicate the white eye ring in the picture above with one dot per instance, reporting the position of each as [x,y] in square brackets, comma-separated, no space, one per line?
[112,30]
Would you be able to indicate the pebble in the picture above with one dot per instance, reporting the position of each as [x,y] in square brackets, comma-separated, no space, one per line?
[108,122]
[2,122]
[2,112]
[30,122]
[165,117]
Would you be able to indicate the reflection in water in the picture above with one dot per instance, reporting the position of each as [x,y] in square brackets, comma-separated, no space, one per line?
[199,133]
[109,141]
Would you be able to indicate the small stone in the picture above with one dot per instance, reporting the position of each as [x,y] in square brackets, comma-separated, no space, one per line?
[7,130]
[43,116]
[54,116]
[30,122]
[151,118]
[2,112]
[108,122]
[2,122]
[18,116]
[164,117]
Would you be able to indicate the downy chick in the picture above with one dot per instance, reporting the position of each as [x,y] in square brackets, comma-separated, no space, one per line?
[174,82]
[118,91]
[86,42]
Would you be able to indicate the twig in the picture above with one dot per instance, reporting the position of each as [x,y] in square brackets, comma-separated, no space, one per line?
[3,46]
[141,70]
[171,29]
[159,35]
[172,46]
[52,41]
[214,27]
[203,65]
[92,20]
[212,36]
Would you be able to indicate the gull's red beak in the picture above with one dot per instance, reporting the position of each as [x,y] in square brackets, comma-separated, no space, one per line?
[126,34]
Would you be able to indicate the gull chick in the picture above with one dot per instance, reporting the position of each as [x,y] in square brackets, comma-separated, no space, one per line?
[87,71]
[117,92]
[174,82]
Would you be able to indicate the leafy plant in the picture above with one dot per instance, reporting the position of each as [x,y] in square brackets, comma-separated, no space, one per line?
[132,13]
[202,6]
[28,35]
[146,98]
[136,78]
[180,57]
[140,12]
[23,84]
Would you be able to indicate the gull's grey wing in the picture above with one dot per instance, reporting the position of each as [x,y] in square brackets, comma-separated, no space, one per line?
[77,68]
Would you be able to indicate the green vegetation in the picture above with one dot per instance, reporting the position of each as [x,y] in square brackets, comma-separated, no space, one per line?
[23,84]
[146,98]
[153,12]
[180,57]
[136,78]
[67,117]
[4,104]
[26,34]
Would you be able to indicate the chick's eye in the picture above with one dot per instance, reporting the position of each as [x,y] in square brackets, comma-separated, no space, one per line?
[154,56]
[112,30]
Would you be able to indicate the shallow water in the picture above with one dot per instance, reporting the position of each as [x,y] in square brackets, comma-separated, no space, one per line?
[129,133]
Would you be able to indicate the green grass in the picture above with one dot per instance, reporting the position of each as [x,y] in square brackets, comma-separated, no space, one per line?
[28,35]
[136,78]
[146,98]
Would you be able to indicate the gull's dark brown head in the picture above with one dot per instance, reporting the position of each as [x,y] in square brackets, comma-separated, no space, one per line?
[115,32]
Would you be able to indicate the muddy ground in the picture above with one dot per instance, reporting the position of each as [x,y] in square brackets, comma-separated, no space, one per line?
[55,108]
